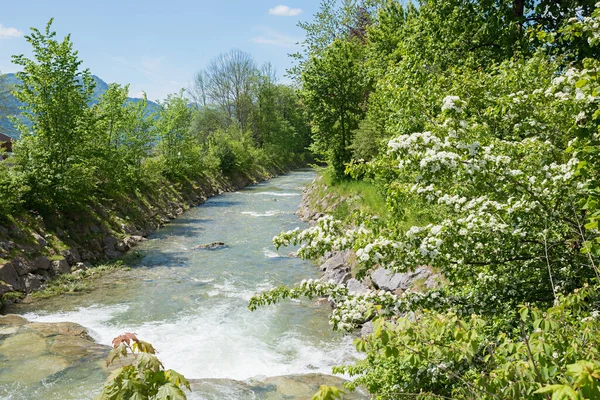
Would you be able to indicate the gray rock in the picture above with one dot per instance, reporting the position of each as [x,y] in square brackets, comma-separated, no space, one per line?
[40,239]
[72,256]
[9,275]
[112,254]
[337,260]
[60,267]
[41,263]
[33,281]
[337,276]
[356,287]
[211,246]
[388,280]
[110,242]
[122,246]
[366,329]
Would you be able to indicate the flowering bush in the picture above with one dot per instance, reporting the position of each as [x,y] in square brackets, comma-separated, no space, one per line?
[507,156]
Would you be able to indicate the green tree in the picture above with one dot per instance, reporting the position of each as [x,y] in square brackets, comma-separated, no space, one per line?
[176,144]
[53,152]
[334,90]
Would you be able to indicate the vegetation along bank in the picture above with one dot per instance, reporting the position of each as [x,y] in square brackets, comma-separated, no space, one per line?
[92,172]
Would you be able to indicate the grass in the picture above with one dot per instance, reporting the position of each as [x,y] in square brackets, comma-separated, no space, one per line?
[80,281]
[345,197]
[351,195]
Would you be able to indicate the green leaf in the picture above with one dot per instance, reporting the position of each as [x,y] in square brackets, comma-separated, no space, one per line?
[169,391]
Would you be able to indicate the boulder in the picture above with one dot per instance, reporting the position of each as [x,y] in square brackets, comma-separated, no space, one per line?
[211,246]
[9,275]
[356,287]
[42,242]
[110,242]
[391,281]
[72,256]
[60,267]
[41,263]
[33,281]
[12,320]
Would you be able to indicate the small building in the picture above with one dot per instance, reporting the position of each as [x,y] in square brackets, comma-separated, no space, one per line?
[6,143]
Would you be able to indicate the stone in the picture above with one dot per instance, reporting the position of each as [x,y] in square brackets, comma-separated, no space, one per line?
[366,329]
[9,275]
[211,246]
[112,254]
[12,320]
[122,246]
[356,287]
[48,329]
[76,348]
[60,267]
[110,242]
[337,276]
[72,256]
[42,242]
[33,281]
[41,263]
[23,346]
[337,260]
[34,370]
[388,280]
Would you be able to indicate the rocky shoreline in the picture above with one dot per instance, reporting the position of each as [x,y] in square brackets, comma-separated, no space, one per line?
[337,266]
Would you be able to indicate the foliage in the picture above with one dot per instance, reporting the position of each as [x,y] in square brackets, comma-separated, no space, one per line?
[53,153]
[334,87]
[143,376]
[490,113]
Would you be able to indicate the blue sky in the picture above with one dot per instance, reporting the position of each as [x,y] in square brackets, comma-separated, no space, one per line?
[156,46]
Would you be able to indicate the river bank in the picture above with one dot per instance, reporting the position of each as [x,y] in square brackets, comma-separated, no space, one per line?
[34,250]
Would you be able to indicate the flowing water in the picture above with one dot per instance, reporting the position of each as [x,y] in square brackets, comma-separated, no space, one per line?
[191,304]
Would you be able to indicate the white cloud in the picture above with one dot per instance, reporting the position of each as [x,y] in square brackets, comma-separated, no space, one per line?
[285,11]
[6,33]
[272,37]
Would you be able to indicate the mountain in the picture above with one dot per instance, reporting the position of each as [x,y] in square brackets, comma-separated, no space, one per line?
[9,105]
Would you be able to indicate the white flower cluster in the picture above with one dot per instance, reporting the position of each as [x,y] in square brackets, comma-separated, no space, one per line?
[354,310]
[452,103]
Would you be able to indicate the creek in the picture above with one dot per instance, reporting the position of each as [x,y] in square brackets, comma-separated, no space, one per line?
[191,304]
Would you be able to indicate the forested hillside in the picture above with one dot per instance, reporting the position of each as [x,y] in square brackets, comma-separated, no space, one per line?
[482,118]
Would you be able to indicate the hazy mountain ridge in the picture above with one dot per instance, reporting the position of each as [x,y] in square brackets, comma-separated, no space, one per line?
[9,105]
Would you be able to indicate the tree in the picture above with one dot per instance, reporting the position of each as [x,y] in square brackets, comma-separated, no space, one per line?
[176,144]
[53,150]
[334,91]
[229,82]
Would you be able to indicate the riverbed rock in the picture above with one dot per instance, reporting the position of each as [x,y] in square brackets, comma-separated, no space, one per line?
[33,351]
[12,320]
[337,268]
[33,281]
[301,386]
[48,329]
[211,246]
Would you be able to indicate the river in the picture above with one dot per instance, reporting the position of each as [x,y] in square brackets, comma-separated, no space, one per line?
[192,304]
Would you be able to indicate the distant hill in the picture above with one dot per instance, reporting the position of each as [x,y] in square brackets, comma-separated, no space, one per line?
[9,105]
